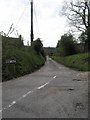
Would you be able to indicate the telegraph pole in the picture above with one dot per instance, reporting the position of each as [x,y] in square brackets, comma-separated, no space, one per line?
[31,21]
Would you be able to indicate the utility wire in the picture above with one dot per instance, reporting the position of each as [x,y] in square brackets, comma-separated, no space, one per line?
[20,18]
[10,29]
[36,19]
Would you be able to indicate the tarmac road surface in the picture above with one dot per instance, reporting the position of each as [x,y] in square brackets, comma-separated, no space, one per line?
[54,91]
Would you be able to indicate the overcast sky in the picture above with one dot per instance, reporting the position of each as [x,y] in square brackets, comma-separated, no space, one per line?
[48,24]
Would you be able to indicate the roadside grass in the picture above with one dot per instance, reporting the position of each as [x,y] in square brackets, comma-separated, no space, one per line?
[78,62]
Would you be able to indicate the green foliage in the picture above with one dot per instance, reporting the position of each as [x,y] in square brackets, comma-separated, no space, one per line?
[77,61]
[66,45]
[83,38]
[12,43]
[43,53]
[37,45]
[27,60]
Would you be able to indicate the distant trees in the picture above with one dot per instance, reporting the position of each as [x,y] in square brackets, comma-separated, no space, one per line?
[66,45]
[78,14]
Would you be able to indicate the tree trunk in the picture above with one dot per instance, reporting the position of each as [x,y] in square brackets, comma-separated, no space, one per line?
[89,39]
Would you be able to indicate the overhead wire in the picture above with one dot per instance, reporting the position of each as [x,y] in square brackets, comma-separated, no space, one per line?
[20,18]
[13,29]
[36,20]
[10,29]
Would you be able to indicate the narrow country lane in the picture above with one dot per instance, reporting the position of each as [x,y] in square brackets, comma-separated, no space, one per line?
[54,91]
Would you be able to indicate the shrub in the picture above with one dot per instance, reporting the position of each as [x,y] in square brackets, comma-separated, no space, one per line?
[27,60]
[37,45]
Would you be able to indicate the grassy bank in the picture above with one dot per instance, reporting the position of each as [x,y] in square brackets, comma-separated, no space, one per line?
[77,61]
[27,60]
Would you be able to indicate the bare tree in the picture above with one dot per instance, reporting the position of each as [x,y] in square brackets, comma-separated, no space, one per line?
[78,14]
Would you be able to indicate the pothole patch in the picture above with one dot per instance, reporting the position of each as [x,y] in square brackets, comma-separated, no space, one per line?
[76,80]
[70,89]
[79,105]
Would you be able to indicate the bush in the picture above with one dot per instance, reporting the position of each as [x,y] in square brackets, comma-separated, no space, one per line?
[37,45]
[27,60]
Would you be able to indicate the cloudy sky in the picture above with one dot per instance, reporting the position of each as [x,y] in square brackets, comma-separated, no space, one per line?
[48,24]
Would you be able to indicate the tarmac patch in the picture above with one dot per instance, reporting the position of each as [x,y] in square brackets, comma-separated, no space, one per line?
[79,105]
[70,89]
[76,80]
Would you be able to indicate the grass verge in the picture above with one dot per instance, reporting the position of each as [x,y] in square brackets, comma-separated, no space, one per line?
[78,62]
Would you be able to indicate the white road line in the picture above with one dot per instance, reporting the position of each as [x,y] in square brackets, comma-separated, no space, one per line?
[43,85]
[23,96]
[27,94]
[10,106]
[14,102]
[46,83]
[30,92]
[19,98]
[54,77]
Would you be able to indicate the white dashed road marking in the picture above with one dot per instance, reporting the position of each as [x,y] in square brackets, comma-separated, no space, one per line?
[42,86]
[46,83]
[9,106]
[23,96]
[14,102]
[54,77]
